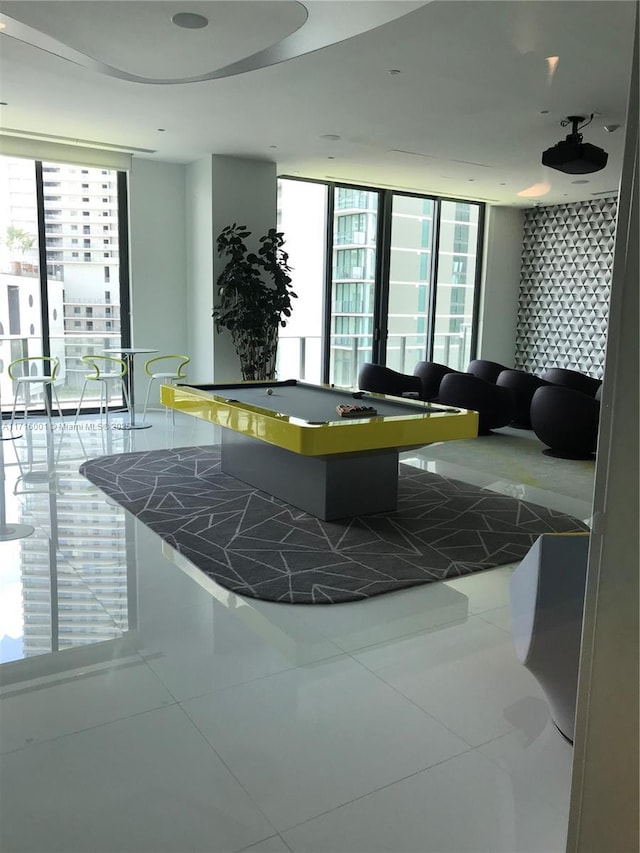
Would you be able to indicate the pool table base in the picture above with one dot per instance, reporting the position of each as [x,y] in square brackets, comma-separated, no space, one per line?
[330,487]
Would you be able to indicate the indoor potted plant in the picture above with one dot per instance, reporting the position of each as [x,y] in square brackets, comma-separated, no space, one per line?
[254,298]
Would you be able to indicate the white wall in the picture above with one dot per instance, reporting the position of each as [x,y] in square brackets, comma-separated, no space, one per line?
[157,261]
[200,251]
[175,213]
[501,276]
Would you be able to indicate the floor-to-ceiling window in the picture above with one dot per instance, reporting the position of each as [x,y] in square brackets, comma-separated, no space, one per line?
[353,281]
[457,281]
[399,274]
[302,217]
[63,298]
[410,281]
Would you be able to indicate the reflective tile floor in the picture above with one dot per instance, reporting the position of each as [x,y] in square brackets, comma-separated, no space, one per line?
[144,708]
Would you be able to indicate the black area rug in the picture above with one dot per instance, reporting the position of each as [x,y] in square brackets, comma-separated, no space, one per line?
[258,546]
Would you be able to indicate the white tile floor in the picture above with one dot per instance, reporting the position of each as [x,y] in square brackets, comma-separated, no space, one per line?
[176,716]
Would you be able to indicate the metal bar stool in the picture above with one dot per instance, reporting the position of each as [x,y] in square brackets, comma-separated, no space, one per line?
[30,371]
[105,369]
[178,362]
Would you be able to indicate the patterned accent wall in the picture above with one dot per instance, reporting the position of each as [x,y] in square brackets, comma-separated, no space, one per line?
[565,281]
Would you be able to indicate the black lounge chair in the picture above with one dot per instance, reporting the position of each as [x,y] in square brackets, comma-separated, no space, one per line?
[495,406]
[566,421]
[484,369]
[523,386]
[383,380]
[430,374]
[572,379]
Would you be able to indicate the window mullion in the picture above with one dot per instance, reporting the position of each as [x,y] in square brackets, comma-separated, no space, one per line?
[435,252]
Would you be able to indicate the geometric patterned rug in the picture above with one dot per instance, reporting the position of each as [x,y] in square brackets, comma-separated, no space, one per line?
[258,546]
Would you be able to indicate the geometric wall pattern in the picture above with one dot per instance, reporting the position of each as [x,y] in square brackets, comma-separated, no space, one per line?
[565,283]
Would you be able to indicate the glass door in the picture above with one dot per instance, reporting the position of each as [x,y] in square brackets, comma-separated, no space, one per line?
[457,278]
[83,275]
[64,301]
[20,294]
[353,283]
[410,281]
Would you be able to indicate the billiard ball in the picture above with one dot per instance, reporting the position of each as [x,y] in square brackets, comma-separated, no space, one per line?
[269,391]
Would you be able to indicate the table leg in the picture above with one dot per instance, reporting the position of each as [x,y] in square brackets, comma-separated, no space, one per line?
[132,409]
[341,485]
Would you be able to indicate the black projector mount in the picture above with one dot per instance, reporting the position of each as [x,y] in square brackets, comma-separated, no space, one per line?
[572,155]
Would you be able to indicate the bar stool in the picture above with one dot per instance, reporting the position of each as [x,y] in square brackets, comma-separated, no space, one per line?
[105,369]
[29,371]
[177,362]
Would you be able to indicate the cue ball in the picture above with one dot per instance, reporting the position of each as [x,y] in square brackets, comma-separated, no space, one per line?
[269,391]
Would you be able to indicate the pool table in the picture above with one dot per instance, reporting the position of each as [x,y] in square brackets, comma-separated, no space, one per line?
[287,439]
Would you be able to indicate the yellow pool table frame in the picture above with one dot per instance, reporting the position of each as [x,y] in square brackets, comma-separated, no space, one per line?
[332,469]
[339,435]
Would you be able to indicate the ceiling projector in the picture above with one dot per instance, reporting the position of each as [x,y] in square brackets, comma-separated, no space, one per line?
[574,156]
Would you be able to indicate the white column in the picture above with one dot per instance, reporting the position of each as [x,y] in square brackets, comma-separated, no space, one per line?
[604,795]
[502,256]
[157,261]
[220,191]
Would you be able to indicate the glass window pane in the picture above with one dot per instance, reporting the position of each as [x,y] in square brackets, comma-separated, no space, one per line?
[455,293]
[409,281]
[302,217]
[355,225]
[20,305]
[76,284]
[79,285]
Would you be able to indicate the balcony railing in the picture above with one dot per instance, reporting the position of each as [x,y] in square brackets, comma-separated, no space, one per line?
[72,372]
[300,357]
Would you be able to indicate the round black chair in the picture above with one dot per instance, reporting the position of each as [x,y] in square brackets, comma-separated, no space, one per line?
[383,380]
[572,379]
[484,369]
[522,386]
[495,406]
[430,374]
[566,421]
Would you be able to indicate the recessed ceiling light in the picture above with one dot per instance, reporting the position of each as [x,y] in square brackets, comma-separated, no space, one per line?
[581,181]
[544,112]
[394,72]
[332,136]
[189,21]
[161,129]
[4,104]
[331,158]
[273,146]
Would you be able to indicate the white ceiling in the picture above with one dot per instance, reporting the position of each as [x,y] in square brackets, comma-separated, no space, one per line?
[473,107]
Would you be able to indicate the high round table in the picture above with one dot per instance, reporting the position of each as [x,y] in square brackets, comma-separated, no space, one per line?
[128,354]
